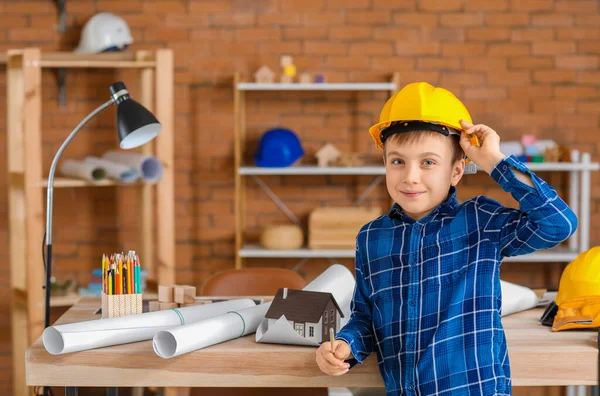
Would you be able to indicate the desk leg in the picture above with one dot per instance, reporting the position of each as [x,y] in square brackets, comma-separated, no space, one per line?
[71,391]
[112,391]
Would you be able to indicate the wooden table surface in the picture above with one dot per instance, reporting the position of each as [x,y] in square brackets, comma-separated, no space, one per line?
[538,357]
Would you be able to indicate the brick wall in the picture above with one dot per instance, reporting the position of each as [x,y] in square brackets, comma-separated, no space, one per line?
[526,66]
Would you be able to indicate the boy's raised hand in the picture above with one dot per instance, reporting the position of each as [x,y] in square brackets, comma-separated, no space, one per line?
[332,363]
[488,153]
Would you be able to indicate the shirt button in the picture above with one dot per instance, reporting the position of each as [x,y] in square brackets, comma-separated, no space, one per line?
[504,167]
[410,387]
[412,302]
[411,345]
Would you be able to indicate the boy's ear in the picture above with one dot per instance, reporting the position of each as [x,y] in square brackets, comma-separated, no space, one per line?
[458,170]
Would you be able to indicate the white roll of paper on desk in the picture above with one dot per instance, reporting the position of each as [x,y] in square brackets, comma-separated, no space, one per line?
[516,298]
[82,170]
[121,173]
[99,333]
[148,167]
[336,280]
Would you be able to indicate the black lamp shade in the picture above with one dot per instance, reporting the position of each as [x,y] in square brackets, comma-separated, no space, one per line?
[136,125]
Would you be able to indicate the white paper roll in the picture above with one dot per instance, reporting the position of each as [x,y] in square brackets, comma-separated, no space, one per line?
[174,342]
[82,170]
[148,167]
[99,333]
[516,298]
[114,171]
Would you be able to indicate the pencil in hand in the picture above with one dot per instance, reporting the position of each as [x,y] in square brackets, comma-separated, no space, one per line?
[331,338]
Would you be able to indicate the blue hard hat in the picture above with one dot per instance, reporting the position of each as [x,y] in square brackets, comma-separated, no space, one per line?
[278,147]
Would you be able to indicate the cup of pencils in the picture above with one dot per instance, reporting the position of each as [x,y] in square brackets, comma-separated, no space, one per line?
[121,285]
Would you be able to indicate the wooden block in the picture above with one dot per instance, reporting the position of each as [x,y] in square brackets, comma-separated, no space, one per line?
[154,305]
[185,294]
[167,305]
[165,293]
[200,302]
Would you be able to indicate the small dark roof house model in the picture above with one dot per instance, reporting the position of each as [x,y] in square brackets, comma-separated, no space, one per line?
[307,311]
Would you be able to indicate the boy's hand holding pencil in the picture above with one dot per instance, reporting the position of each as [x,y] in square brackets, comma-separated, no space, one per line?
[331,356]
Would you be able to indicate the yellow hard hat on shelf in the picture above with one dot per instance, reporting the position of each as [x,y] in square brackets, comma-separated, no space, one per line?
[578,297]
[581,277]
[421,101]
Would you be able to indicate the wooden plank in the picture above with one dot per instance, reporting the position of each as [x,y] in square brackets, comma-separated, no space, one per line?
[165,220]
[31,120]
[104,60]
[238,144]
[20,342]
[145,192]
[538,357]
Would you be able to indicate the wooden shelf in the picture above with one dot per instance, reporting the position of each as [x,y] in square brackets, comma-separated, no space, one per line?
[64,301]
[256,251]
[66,182]
[380,170]
[316,86]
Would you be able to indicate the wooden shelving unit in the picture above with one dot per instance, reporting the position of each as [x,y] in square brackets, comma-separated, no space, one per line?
[26,187]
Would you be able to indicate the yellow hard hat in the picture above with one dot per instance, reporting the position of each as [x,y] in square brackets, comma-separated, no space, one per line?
[581,277]
[421,101]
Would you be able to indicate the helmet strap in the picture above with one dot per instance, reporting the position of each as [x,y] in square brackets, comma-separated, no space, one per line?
[410,126]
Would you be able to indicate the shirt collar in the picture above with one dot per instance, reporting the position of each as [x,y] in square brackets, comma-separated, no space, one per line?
[446,207]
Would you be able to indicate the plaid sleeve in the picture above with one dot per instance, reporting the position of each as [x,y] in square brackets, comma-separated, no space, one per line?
[358,332]
[542,221]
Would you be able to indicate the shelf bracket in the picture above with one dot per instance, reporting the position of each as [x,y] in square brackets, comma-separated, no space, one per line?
[62,15]
[61,79]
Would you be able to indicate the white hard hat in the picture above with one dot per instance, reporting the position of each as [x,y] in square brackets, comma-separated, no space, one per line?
[104,31]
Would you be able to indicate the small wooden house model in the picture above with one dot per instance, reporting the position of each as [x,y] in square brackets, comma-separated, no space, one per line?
[327,155]
[264,75]
[310,313]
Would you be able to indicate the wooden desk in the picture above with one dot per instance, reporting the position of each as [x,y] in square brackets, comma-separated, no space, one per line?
[538,357]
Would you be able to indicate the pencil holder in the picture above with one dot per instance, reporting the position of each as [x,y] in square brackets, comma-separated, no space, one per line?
[121,305]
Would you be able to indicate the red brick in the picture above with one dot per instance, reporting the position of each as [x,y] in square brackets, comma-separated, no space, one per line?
[577,62]
[395,33]
[140,21]
[462,19]
[207,6]
[507,106]
[588,77]
[165,6]
[484,93]
[350,32]
[28,7]
[281,48]
[577,6]
[575,92]
[233,19]
[486,5]
[484,64]
[551,106]
[428,34]
[592,20]
[532,5]
[119,6]
[280,19]
[348,4]
[553,48]
[212,34]
[439,63]
[431,48]
[164,35]
[537,34]
[363,17]
[415,19]
[392,63]
[10,21]
[531,91]
[32,34]
[293,33]
[348,62]
[395,5]
[439,6]
[534,63]
[552,20]
[407,77]
[588,107]
[258,34]
[462,78]
[466,49]
[578,33]
[507,19]
[185,21]
[325,48]
[553,76]
[508,49]
[510,77]
[488,34]
[304,5]
[325,18]
[371,48]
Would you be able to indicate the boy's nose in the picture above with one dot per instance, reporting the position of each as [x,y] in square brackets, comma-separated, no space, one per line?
[412,174]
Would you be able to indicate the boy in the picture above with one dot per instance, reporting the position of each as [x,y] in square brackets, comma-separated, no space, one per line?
[427,296]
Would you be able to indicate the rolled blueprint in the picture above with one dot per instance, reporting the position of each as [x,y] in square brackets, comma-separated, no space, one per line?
[82,170]
[516,298]
[99,333]
[114,171]
[336,280]
[148,167]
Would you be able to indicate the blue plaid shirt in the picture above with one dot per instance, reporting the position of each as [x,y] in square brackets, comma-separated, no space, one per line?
[427,296]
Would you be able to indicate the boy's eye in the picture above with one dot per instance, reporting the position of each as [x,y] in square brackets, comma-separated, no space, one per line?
[397,161]
[428,162]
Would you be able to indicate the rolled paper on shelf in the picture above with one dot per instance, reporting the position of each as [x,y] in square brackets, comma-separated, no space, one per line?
[114,171]
[81,336]
[148,167]
[82,170]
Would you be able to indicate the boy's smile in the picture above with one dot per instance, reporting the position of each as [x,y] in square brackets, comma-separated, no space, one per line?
[419,172]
